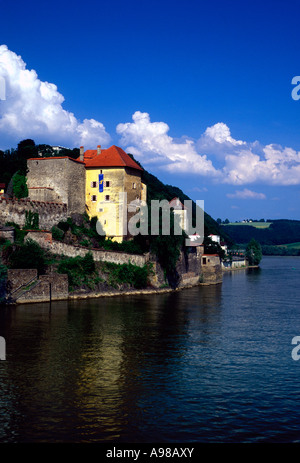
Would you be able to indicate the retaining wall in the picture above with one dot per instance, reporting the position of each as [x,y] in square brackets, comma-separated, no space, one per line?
[13,210]
[99,255]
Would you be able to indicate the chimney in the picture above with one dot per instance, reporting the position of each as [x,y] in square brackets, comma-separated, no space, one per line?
[99,149]
[81,153]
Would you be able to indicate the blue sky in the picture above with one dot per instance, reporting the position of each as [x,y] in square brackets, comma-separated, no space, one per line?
[199,92]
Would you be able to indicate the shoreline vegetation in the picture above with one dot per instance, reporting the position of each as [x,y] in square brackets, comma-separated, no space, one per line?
[130,292]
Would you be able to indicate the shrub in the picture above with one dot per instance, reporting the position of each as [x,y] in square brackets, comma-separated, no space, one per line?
[57,233]
[130,274]
[28,255]
[80,270]
[31,220]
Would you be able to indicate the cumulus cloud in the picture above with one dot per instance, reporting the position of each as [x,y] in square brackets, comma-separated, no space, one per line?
[246,194]
[151,143]
[220,133]
[237,162]
[33,108]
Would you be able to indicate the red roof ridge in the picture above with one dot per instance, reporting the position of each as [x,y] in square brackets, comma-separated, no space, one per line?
[110,157]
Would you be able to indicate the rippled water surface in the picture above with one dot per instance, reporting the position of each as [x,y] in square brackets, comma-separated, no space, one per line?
[208,364]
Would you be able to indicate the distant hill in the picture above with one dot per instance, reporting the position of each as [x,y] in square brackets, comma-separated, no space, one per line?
[279,232]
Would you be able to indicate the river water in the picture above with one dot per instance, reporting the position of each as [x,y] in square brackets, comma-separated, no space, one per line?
[208,364]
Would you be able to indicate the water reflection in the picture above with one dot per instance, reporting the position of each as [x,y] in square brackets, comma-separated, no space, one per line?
[90,370]
[208,364]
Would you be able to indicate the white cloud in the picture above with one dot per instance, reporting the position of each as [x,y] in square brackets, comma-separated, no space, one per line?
[246,194]
[151,143]
[33,108]
[237,162]
[220,133]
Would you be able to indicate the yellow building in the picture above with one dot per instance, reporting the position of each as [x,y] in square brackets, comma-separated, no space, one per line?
[2,188]
[113,180]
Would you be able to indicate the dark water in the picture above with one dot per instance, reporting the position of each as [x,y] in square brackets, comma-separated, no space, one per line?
[208,364]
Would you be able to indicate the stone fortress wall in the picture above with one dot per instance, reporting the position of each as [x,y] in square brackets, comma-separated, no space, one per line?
[57,180]
[50,213]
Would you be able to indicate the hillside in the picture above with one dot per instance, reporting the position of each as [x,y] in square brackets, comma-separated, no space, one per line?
[159,191]
[279,232]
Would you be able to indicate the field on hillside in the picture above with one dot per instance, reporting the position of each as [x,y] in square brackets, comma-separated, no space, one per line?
[290,245]
[251,224]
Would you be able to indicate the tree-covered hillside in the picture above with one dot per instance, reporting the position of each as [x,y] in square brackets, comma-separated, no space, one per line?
[159,191]
[279,232]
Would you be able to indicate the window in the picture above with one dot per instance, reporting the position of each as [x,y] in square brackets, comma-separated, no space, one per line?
[100,171]
[100,210]
[94,198]
[106,197]
[204,260]
[134,186]
[93,184]
[107,184]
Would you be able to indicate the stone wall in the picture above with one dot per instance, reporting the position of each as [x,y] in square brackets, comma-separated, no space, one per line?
[211,269]
[7,233]
[58,179]
[13,210]
[44,288]
[51,287]
[189,268]
[57,247]
[19,277]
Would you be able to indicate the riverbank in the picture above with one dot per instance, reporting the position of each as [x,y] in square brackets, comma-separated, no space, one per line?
[233,269]
[108,294]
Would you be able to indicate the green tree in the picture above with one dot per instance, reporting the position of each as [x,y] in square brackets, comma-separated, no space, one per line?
[20,189]
[212,247]
[253,252]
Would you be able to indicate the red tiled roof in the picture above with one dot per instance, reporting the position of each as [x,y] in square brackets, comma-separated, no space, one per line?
[110,157]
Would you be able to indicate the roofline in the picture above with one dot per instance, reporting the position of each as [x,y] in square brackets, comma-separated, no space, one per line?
[113,167]
[55,157]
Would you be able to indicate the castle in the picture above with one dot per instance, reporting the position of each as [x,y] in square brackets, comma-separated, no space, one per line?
[100,182]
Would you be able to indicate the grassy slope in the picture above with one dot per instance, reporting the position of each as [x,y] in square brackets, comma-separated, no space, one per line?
[252,224]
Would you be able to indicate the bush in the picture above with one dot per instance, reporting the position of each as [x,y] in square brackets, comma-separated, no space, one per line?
[31,220]
[57,233]
[28,255]
[130,274]
[80,270]
[19,234]
[64,226]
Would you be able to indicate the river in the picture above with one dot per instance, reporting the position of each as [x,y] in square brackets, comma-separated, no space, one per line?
[208,364]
